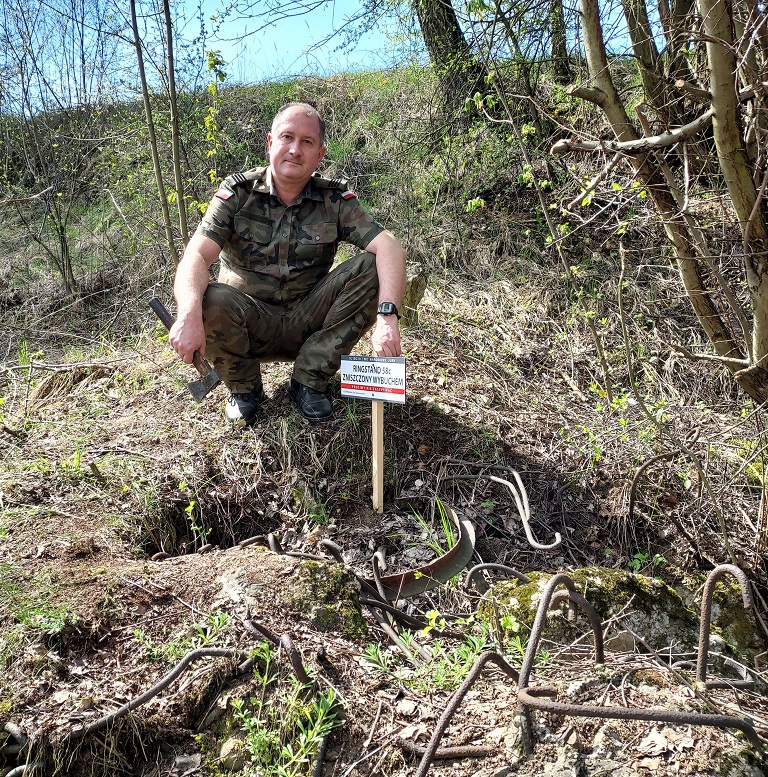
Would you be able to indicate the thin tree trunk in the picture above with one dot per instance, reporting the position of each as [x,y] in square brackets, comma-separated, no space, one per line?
[175,132]
[561,67]
[604,93]
[647,54]
[152,137]
[737,172]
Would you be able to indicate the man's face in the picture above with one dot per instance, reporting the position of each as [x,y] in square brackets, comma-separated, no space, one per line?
[295,150]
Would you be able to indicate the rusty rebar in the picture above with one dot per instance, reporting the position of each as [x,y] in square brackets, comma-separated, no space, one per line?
[400,615]
[331,547]
[274,544]
[286,643]
[379,564]
[22,740]
[474,576]
[577,600]
[250,541]
[455,701]
[706,617]
[541,614]
[520,496]
[535,636]
[530,698]
[445,753]
[181,666]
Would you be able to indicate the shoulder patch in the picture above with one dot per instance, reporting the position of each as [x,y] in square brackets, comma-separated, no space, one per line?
[328,183]
[240,179]
[223,193]
[348,195]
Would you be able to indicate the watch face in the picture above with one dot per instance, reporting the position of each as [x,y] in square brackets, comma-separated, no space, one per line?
[388,309]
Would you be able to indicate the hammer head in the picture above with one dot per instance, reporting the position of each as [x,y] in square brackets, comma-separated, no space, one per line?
[200,388]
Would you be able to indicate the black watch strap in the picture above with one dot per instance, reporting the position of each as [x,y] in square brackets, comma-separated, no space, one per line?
[388,309]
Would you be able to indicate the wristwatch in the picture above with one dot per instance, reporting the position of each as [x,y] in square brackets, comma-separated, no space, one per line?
[387,309]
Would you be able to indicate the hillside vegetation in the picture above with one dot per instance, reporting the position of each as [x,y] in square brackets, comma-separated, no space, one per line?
[550,345]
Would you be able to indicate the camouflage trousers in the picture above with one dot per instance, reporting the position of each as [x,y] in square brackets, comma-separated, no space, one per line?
[314,332]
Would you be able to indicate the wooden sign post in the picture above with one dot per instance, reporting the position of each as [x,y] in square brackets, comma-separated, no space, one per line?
[380,379]
[377,446]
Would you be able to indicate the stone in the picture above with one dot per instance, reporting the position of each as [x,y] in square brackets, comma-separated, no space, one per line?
[652,610]
[415,286]
[621,642]
[568,764]
[233,755]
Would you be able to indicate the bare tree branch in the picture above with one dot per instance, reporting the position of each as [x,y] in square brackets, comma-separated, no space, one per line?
[30,198]
[641,145]
[595,182]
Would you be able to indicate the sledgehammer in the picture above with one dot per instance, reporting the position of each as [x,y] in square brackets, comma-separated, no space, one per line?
[209,377]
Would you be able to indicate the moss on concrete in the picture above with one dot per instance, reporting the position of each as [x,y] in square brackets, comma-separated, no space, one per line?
[742,762]
[330,595]
[652,609]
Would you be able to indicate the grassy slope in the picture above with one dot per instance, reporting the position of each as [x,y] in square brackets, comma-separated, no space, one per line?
[106,460]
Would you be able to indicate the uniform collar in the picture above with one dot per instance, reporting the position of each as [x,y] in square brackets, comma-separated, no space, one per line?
[267,186]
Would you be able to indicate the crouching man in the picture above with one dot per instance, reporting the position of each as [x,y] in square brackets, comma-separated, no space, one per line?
[276,230]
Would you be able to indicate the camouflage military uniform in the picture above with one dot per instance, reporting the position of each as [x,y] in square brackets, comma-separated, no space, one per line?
[277,298]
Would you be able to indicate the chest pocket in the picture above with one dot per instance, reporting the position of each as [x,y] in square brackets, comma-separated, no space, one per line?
[316,240]
[253,229]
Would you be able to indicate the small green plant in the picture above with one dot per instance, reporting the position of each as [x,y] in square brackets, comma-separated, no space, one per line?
[476,204]
[211,629]
[201,634]
[211,120]
[516,649]
[50,619]
[170,650]
[195,519]
[447,665]
[318,514]
[643,560]
[378,659]
[33,611]
[439,544]
[74,464]
[22,352]
[526,177]
[312,505]
[285,722]
[509,623]
[434,621]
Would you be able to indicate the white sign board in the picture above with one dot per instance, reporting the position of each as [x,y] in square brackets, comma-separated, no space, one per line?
[373,377]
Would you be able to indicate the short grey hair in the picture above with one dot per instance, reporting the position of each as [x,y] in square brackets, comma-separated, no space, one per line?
[307,110]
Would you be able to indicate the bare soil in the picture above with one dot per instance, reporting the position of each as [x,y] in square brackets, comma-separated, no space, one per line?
[107,462]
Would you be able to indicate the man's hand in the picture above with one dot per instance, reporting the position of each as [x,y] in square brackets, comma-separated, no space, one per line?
[390,266]
[187,335]
[385,338]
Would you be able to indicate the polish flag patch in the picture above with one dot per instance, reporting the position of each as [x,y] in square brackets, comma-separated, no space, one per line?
[348,195]
[224,194]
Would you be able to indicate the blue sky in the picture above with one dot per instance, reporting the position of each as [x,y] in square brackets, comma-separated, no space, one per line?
[289,47]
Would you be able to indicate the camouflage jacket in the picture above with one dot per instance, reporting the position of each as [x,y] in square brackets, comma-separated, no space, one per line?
[278,252]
